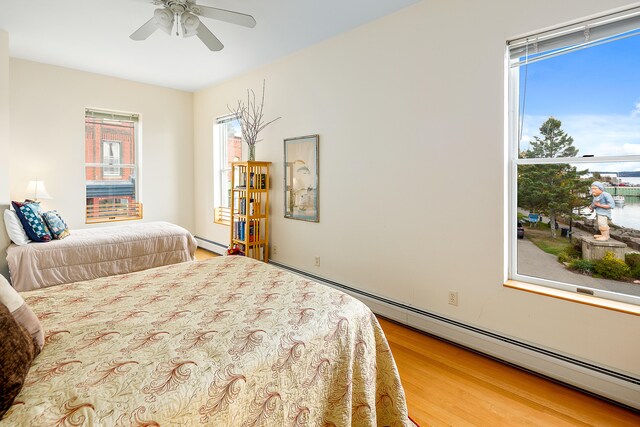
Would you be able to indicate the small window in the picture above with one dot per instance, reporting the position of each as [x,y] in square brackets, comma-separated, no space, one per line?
[111,156]
[111,167]
[574,120]
[227,145]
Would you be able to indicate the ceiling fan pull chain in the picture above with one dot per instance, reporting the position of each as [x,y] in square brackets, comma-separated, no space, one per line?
[177,26]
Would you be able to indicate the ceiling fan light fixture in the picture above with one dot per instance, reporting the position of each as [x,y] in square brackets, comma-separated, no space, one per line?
[190,24]
[188,14]
[164,19]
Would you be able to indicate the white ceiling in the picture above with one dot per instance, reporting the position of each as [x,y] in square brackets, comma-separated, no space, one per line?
[93,35]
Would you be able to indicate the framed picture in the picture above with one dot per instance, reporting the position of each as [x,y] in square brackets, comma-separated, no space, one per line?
[301,178]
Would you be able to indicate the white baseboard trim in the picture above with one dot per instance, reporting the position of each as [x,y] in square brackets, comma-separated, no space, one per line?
[210,245]
[615,386]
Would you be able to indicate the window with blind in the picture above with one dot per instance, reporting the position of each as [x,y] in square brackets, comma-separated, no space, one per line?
[111,171]
[227,148]
[574,114]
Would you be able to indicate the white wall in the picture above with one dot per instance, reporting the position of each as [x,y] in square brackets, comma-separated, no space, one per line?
[4,147]
[413,99]
[47,138]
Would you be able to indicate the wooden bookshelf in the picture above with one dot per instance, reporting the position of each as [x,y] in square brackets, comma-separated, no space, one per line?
[250,209]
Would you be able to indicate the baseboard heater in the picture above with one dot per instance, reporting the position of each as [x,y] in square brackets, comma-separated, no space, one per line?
[210,245]
[617,387]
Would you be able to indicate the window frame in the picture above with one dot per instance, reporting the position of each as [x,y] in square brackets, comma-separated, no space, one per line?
[514,160]
[222,214]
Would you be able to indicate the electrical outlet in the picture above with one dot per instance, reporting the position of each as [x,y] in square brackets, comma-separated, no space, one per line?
[317,261]
[453,297]
[274,249]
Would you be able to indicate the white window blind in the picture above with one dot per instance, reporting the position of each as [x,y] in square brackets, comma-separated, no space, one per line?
[573,37]
[111,115]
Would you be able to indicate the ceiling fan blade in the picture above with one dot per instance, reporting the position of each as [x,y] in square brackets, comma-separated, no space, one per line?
[226,16]
[208,38]
[145,31]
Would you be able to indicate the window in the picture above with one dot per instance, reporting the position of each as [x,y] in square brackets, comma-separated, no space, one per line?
[227,145]
[111,166]
[111,156]
[574,114]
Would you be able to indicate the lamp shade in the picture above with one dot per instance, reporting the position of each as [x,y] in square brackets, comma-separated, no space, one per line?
[164,19]
[37,190]
[190,24]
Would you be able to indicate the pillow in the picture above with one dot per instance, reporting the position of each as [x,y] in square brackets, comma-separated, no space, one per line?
[14,228]
[29,213]
[56,224]
[21,312]
[17,351]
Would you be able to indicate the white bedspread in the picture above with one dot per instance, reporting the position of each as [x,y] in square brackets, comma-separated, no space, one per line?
[98,252]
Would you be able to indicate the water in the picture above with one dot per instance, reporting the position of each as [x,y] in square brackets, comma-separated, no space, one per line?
[632,180]
[627,215]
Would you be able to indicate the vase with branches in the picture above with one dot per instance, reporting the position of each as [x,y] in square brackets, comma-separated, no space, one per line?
[251,117]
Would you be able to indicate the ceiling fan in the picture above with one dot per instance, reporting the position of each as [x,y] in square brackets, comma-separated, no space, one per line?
[187,13]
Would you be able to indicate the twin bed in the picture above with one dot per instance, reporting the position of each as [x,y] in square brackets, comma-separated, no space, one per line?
[225,342]
[99,252]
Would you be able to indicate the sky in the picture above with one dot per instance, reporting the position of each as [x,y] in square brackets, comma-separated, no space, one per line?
[594,92]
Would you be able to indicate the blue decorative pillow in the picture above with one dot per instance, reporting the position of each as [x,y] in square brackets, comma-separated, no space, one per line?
[29,214]
[57,226]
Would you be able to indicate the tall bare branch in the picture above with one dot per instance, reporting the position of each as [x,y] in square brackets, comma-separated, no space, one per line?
[251,116]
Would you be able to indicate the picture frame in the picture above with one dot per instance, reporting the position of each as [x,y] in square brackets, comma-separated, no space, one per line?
[301,178]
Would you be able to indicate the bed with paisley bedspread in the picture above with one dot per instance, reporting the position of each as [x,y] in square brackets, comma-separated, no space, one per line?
[225,342]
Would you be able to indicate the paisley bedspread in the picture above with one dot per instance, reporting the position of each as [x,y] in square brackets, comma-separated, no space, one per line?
[225,342]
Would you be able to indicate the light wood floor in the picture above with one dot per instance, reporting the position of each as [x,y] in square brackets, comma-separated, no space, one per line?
[204,254]
[446,385]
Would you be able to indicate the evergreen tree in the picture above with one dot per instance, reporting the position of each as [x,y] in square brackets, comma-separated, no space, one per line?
[554,189]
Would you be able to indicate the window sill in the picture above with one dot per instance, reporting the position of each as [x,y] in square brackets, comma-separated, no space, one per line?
[575,297]
[111,219]
[222,216]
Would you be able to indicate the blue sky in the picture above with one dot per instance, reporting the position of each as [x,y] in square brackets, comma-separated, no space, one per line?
[595,92]
[602,79]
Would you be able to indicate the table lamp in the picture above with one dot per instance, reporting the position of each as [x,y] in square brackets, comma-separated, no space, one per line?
[37,190]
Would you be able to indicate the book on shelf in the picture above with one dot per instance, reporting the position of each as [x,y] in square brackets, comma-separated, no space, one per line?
[249,233]
[238,230]
[257,181]
[256,231]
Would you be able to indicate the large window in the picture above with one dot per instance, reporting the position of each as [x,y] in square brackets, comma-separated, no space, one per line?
[574,105]
[227,143]
[111,166]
